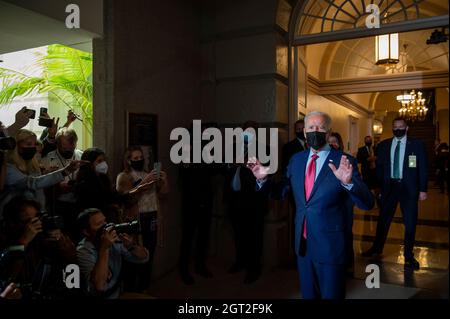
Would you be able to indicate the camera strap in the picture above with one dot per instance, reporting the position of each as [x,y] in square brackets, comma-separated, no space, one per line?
[71,176]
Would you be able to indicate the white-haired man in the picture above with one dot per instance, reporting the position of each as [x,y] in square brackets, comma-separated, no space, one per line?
[323,180]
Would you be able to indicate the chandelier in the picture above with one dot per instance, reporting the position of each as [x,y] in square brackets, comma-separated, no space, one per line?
[413,106]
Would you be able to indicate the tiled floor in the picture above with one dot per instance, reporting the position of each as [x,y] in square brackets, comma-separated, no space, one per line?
[277,284]
[438,235]
[431,281]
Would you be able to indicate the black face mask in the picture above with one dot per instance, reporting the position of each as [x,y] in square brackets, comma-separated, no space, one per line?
[316,139]
[300,135]
[369,144]
[137,165]
[67,154]
[399,133]
[27,153]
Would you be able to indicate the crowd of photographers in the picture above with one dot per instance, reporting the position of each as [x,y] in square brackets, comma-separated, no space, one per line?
[58,207]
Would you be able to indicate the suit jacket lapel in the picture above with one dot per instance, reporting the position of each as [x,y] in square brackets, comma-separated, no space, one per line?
[405,158]
[388,154]
[302,167]
[323,173]
[299,145]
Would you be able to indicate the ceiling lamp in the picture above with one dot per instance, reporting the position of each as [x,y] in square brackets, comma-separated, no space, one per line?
[413,106]
[387,46]
[377,127]
[404,98]
[386,49]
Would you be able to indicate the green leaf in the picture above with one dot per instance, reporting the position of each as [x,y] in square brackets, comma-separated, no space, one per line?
[67,76]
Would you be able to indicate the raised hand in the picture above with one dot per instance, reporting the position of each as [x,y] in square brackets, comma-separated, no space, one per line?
[344,172]
[141,188]
[71,117]
[52,130]
[127,240]
[259,171]
[33,228]
[11,292]
[109,237]
[422,196]
[22,117]
[151,177]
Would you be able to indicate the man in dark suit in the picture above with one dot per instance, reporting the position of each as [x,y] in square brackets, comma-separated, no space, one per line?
[298,144]
[402,174]
[247,209]
[366,157]
[322,180]
[196,214]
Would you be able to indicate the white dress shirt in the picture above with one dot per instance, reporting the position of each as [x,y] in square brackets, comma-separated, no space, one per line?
[402,154]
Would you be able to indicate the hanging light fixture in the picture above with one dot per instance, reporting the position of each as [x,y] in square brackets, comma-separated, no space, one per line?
[413,106]
[404,98]
[377,127]
[387,47]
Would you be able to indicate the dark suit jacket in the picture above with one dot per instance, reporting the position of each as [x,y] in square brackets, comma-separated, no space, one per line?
[367,173]
[289,150]
[414,178]
[197,184]
[362,156]
[248,195]
[326,211]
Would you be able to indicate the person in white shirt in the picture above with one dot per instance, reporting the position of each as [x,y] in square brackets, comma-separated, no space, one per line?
[62,198]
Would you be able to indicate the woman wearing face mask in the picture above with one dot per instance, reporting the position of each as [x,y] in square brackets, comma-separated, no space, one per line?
[93,187]
[23,174]
[133,180]
[335,141]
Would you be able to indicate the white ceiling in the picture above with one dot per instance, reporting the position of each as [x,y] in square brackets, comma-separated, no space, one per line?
[22,29]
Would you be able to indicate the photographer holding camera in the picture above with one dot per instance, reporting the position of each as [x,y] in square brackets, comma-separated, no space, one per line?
[35,251]
[101,253]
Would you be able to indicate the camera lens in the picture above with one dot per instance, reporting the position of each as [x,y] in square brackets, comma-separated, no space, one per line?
[127,228]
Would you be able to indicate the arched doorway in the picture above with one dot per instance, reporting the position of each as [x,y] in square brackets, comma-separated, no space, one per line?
[318,22]
[341,71]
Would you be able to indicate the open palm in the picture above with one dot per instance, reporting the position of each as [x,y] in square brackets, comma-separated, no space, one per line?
[259,171]
[344,171]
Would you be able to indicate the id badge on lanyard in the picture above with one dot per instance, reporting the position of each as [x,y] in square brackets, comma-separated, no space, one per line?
[412,161]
